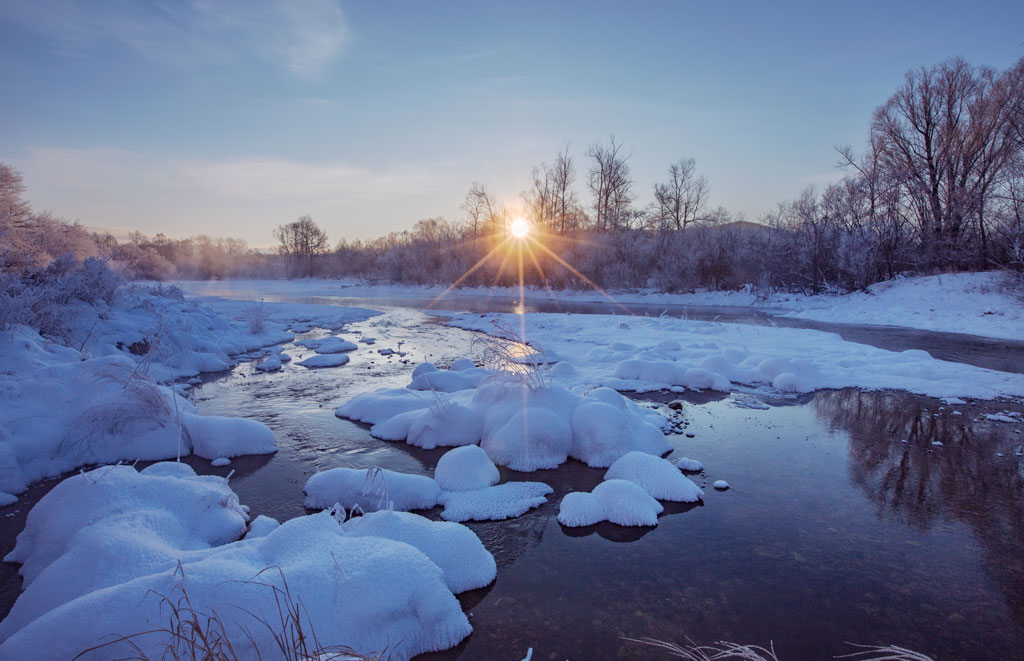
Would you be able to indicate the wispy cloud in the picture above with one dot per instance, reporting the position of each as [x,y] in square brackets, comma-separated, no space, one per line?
[302,37]
[242,196]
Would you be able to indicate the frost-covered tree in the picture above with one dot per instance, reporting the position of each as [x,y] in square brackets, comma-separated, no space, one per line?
[609,181]
[681,200]
[301,242]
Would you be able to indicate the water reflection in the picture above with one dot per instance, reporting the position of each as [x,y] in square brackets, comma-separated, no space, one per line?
[974,476]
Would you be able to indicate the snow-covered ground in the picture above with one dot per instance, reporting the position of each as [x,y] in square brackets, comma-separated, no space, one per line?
[972,303]
[650,353]
[100,400]
[108,553]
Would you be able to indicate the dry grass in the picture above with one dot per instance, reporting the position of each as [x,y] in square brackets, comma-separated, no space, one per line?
[256,316]
[196,634]
[726,650]
[502,349]
[720,650]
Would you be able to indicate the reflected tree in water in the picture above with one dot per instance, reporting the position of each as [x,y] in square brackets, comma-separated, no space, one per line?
[921,485]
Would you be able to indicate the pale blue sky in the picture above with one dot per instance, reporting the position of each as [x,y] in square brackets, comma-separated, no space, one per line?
[230,118]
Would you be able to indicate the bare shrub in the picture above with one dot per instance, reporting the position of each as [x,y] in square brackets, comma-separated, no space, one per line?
[504,351]
[256,316]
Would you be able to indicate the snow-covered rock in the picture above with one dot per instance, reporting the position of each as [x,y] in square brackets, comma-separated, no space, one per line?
[521,427]
[450,381]
[465,469]
[380,405]
[214,436]
[690,465]
[657,476]
[423,368]
[618,501]
[370,490]
[324,360]
[503,501]
[442,424]
[328,345]
[271,364]
[453,547]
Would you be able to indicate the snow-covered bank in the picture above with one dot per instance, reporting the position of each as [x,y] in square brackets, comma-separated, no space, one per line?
[106,553]
[971,303]
[102,402]
[648,353]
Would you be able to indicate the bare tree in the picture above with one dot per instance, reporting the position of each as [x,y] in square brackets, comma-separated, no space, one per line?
[609,181]
[947,135]
[539,199]
[478,206]
[301,242]
[564,206]
[14,210]
[681,199]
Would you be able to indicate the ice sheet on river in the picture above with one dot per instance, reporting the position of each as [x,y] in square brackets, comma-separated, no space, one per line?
[650,353]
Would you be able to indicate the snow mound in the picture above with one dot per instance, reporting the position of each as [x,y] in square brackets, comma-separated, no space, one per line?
[618,501]
[453,547]
[451,381]
[668,373]
[465,469]
[605,427]
[504,501]
[215,436]
[100,411]
[115,524]
[690,465]
[270,364]
[328,345]
[520,427]
[370,490]
[460,364]
[262,526]
[324,360]
[443,424]
[329,572]
[657,476]
[377,406]
[721,485]
[423,368]
[532,438]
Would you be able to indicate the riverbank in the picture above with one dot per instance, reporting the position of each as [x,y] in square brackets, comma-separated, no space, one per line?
[982,304]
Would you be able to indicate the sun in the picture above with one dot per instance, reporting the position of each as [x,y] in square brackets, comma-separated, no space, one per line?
[519,228]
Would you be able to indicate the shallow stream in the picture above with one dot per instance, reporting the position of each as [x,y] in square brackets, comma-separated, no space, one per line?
[834,530]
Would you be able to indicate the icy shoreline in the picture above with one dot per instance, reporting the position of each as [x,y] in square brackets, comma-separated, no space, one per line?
[969,303]
[107,399]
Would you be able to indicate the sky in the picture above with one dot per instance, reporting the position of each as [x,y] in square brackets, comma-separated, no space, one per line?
[231,118]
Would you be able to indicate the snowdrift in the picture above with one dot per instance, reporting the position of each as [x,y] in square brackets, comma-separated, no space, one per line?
[518,425]
[102,549]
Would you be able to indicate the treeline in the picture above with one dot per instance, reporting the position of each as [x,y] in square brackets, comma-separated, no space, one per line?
[939,185]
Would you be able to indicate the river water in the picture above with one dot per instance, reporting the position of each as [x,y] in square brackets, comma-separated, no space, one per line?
[834,530]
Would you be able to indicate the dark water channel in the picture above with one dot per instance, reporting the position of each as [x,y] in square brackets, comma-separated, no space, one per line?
[834,530]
